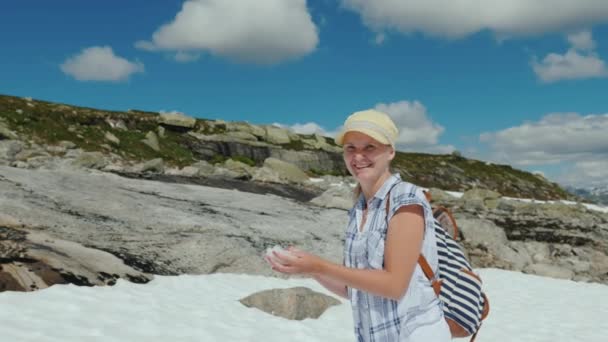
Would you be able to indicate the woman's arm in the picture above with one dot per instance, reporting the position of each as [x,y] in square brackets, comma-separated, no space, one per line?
[402,249]
[334,286]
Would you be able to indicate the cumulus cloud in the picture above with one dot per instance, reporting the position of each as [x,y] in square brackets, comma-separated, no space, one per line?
[561,138]
[260,32]
[586,174]
[454,19]
[99,63]
[581,40]
[579,62]
[308,128]
[417,132]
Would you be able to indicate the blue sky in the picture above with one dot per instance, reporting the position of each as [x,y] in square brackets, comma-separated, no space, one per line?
[499,81]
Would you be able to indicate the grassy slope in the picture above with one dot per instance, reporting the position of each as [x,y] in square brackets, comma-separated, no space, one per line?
[49,123]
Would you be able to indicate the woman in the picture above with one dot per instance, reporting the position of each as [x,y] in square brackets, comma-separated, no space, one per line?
[390,225]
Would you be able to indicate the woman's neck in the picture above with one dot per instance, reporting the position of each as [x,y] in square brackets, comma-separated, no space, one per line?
[370,189]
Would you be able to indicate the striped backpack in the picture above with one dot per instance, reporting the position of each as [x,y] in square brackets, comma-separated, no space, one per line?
[465,305]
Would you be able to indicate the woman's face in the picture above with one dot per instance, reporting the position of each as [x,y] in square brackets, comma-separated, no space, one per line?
[366,159]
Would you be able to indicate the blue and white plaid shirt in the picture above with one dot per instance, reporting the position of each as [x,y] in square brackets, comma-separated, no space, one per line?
[377,318]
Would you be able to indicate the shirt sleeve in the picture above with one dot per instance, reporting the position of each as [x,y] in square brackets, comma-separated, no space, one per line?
[404,194]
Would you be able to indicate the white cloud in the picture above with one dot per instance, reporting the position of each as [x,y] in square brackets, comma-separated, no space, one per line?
[185,57]
[585,174]
[260,32]
[308,128]
[560,139]
[416,131]
[581,40]
[99,63]
[579,62]
[459,18]
[572,65]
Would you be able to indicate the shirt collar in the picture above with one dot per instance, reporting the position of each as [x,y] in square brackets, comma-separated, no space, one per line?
[386,187]
[383,191]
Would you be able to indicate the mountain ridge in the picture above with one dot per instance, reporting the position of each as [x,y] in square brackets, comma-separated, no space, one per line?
[181,141]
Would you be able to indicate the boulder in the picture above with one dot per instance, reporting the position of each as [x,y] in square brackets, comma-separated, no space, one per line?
[33,260]
[295,303]
[112,138]
[156,165]
[152,141]
[547,270]
[10,148]
[287,171]
[478,198]
[116,124]
[90,160]
[177,120]
[243,170]
[68,145]
[338,197]
[276,135]
[6,133]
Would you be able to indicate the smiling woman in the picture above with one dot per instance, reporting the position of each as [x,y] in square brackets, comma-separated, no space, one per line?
[390,226]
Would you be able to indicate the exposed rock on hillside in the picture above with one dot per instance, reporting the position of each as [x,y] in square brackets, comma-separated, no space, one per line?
[135,137]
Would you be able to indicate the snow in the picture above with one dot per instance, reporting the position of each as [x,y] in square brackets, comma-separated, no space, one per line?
[206,308]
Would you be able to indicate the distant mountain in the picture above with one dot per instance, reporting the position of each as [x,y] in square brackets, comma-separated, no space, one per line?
[597,194]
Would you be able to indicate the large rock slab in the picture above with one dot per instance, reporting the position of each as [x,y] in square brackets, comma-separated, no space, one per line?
[33,260]
[296,303]
[168,228]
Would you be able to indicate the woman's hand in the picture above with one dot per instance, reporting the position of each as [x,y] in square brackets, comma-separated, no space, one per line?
[295,262]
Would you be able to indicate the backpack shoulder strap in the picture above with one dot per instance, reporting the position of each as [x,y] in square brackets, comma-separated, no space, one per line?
[424,264]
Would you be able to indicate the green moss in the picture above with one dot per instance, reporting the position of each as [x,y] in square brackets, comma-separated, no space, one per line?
[217,159]
[244,160]
[296,145]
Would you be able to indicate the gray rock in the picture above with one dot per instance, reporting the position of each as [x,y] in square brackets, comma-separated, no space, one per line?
[112,138]
[55,261]
[286,171]
[547,270]
[481,197]
[90,160]
[152,141]
[238,135]
[177,228]
[117,124]
[6,133]
[243,170]
[177,119]
[266,175]
[155,165]
[339,197]
[276,135]
[295,303]
[161,131]
[204,168]
[10,148]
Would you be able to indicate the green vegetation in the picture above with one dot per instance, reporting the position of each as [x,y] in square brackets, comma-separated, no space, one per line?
[244,160]
[50,123]
[296,145]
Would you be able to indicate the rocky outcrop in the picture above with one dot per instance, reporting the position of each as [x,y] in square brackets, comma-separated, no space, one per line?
[551,239]
[32,260]
[169,227]
[296,303]
[177,120]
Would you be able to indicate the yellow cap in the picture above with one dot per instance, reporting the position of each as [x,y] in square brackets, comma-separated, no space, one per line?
[373,123]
